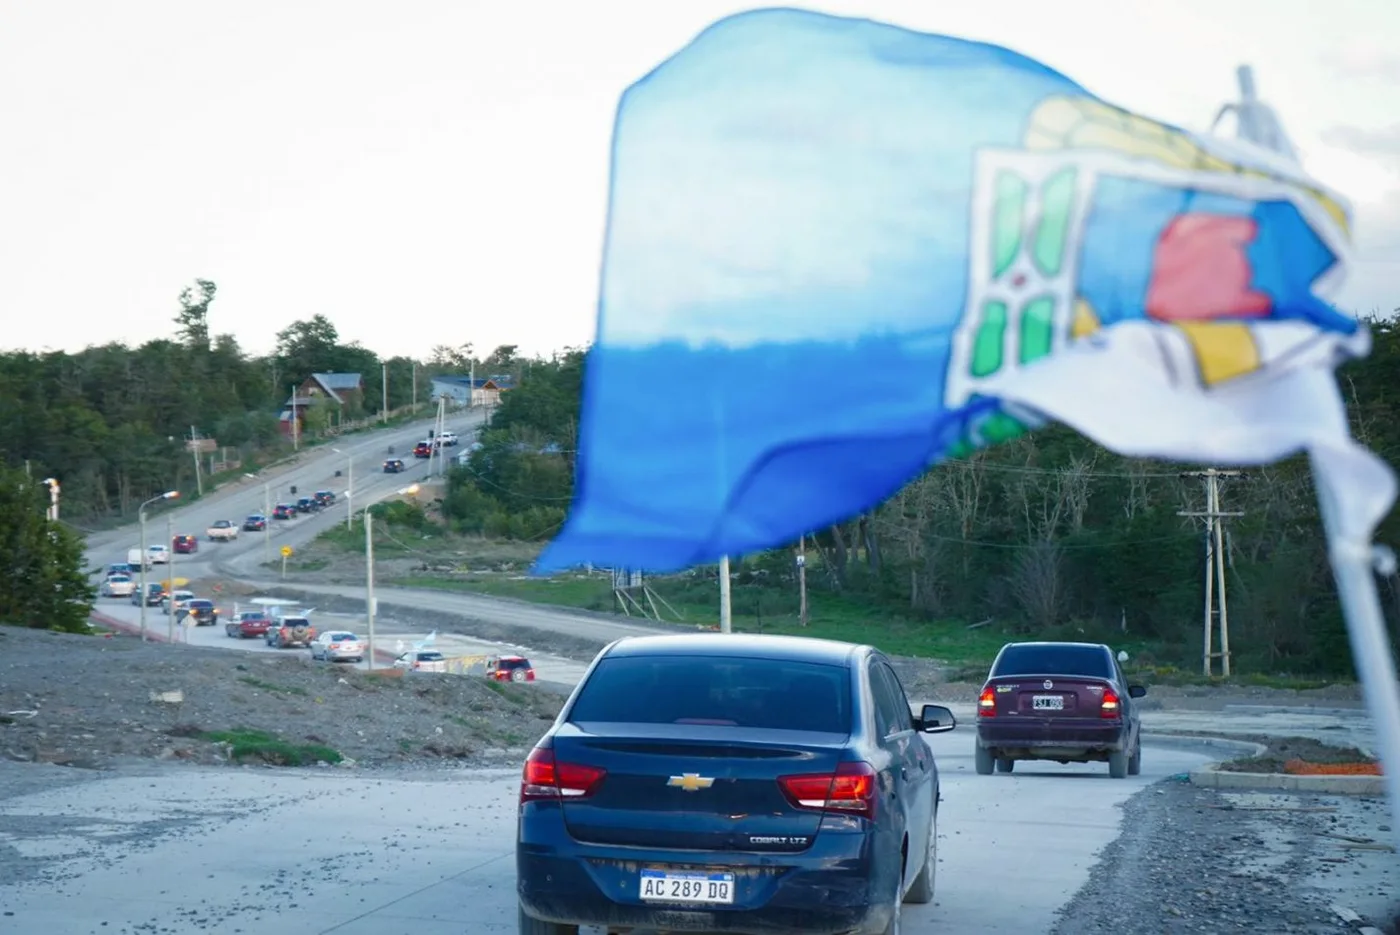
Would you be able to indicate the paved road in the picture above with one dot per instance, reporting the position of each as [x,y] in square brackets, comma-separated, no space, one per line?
[211,850]
[362,462]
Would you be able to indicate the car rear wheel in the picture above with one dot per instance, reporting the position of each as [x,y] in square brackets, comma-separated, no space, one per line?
[1005,765]
[532,926]
[1118,764]
[1135,761]
[921,890]
[984,761]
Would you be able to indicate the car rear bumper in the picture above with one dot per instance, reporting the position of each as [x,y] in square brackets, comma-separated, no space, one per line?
[1067,734]
[341,655]
[831,889]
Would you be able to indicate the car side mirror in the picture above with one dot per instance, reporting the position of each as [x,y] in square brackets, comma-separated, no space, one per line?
[936,719]
[1136,691]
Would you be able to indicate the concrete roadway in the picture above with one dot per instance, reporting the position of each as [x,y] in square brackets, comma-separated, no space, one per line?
[298,852]
[314,469]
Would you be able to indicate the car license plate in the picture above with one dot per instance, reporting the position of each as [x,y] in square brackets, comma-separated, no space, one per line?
[1048,703]
[680,886]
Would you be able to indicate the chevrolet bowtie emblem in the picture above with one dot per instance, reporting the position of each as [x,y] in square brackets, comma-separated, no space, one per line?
[690,782]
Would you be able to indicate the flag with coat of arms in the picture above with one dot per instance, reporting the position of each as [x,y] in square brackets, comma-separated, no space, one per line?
[801,202]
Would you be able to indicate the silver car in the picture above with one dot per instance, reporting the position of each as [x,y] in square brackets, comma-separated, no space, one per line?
[338,646]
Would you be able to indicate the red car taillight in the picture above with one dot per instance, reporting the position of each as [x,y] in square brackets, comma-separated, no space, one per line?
[850,790]
[987,703]
[1109,707]
[545,778]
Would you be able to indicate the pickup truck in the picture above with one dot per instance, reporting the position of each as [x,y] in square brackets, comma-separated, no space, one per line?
[222,531]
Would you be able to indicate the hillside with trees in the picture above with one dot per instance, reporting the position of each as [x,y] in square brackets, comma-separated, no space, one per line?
[1047,534]
[112,422]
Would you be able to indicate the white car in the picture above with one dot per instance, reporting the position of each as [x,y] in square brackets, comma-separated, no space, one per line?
[222,530]
[448,438]
[338,646]
[158,555]
[176,601]
[424,660]
[118,586]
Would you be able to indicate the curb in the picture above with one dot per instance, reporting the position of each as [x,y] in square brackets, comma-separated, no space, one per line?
[1210,777]
[1222,745]
[121,626]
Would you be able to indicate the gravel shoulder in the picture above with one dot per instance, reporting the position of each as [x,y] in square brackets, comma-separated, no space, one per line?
[95,701]
[1192,860]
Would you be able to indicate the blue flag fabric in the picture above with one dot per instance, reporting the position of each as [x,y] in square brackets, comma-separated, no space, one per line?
[834,246]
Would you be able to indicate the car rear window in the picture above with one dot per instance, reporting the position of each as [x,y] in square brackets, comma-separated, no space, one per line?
[1089,661]
[725,690]
[338,637]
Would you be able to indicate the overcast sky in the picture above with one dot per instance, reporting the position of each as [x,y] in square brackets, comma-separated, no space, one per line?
[435,171]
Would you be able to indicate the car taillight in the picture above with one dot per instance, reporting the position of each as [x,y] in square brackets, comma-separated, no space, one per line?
[987,703]
[1109,706]
[546,778]
[850,790]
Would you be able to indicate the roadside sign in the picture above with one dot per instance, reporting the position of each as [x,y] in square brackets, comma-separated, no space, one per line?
[286,551]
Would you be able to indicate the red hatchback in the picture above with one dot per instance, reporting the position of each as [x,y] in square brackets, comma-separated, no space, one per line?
[1067,702]
[510,669]
[184,545]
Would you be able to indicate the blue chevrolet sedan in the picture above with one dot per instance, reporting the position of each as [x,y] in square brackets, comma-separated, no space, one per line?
[747,784]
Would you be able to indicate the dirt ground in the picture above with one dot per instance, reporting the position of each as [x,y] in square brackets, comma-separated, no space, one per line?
[1283,749]
[93,700]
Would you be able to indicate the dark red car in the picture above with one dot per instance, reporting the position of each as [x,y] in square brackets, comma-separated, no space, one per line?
[1067,702]
[284,511]
[423,450]
[184,545]
[510,669]
[250,624]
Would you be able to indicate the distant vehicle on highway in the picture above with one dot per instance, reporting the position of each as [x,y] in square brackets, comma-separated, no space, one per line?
[155,594]
[747,779]
[1067,702]
[223,530]
[290,631]
[393,466]
[137,559]
[118,586]
[284,511]
[307,505]
[448,438]
[423,449]
[324,497]
[185,545]
[338,646]
[249,624]
[158,555]
[203,611]
[423,660]
[510,669]
[176,600]
[123,568]
[255,522]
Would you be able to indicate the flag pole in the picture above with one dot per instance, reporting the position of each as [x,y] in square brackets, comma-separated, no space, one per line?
[1354,569]
[1353,563]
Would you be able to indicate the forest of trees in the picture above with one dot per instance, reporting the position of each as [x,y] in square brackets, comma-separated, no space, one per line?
[111,421]
[1048,533]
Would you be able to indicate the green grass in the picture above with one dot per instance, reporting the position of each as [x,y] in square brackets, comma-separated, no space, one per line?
[253,682]
[755,610]
[510,694]
[246,744]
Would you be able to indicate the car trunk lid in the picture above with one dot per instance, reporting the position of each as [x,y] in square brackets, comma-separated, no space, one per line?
[694,786]
[1046,697]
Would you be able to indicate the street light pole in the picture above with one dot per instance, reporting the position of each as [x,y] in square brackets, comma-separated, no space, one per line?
[369,586]
[141,514]
[170,575]
[52,512]
[349,487]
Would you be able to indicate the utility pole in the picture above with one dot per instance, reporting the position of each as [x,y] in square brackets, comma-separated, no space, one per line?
[726,624]
[170,574]
[384,407]
[1215,569]
[296,441]
[802,580]
[414,408]
[194,449]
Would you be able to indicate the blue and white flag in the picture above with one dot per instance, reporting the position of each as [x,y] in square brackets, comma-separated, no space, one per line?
[840,251]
